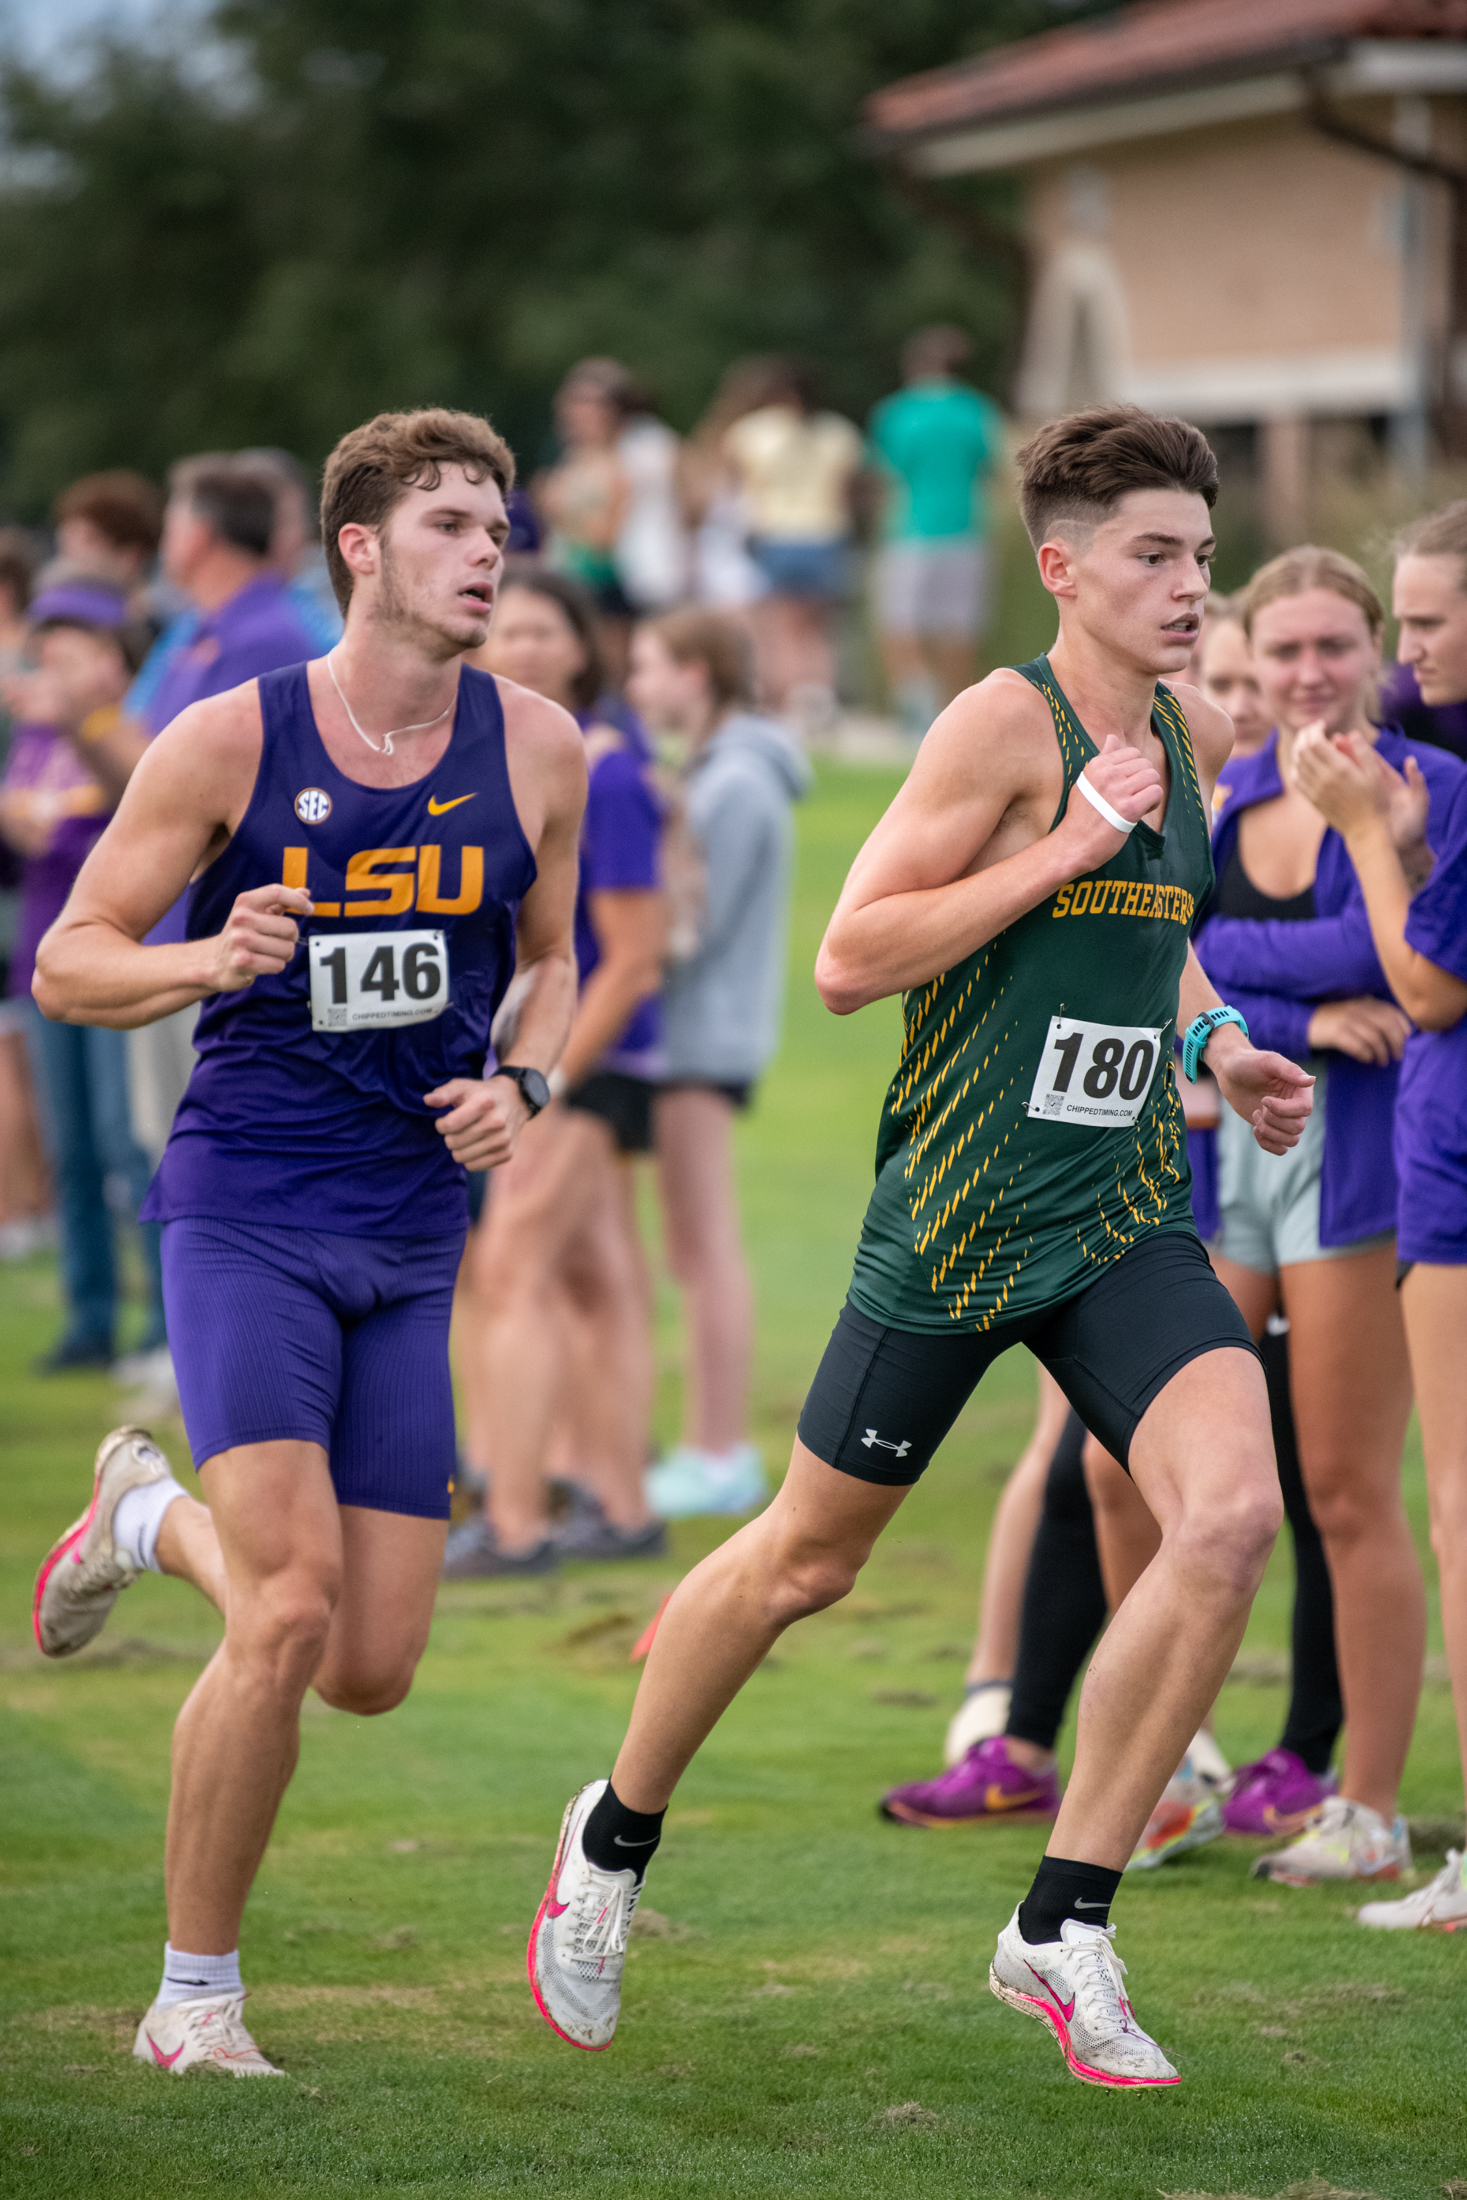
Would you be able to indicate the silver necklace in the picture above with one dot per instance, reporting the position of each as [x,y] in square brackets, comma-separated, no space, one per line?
[387,738]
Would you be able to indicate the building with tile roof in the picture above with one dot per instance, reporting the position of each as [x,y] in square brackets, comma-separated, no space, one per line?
[1249,212]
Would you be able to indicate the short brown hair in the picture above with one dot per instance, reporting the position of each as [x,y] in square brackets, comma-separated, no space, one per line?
[232,495]
[1311,566]
[121,505]
[711,638]
[1441,534]
[1080,467]
[373,467]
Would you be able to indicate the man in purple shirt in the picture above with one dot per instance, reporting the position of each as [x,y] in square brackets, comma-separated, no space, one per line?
[217,537]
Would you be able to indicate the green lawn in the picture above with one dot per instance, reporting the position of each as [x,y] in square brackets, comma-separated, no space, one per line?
[813,2015]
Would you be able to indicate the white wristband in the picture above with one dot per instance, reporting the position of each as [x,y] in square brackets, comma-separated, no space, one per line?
[557,1081]
[1097,801]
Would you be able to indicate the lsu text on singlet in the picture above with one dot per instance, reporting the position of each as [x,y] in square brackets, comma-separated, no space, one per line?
[1033,1129]
[306,1104]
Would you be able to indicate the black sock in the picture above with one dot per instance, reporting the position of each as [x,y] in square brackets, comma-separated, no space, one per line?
[616,1838]
[1062,1889]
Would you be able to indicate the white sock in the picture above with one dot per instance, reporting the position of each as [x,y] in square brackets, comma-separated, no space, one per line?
[185,1977]
[135,1526]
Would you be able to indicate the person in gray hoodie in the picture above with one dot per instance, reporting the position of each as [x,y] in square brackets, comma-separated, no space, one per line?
[728,854]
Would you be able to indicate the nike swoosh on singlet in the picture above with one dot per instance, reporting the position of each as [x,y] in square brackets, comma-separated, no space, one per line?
[166,2061]
[438,809]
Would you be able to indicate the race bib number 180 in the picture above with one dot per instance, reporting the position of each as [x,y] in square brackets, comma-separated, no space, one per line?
[363,981]
[1094,1073]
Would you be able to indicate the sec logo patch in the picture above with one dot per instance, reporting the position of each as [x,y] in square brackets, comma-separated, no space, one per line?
[313,805]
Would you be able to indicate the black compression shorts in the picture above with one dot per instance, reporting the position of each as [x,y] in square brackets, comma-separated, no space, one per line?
[883,1399]
[623,1103]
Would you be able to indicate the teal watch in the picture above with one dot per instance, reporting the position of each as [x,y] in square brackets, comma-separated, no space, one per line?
[1200,1030]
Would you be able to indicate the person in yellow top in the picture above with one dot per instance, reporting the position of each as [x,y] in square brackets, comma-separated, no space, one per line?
[798,470]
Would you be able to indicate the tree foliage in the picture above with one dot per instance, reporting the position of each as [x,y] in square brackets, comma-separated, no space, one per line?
[364,203]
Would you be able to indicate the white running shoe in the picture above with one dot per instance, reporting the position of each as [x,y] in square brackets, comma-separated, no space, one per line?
[1187,1816]
[578,1942]
[689,1483]
[207,2029]
[1343,1840]
[1073,1985]
[1441,1907]
[983,1712]
[1209,1763]
[83,1574]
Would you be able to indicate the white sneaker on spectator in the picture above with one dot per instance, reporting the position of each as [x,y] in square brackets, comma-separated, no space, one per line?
[32,1234]
[689,1482]
[1209,1763]
[1344,1840]
[1441,1906]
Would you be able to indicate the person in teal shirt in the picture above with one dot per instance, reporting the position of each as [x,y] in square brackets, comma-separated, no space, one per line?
[937,441]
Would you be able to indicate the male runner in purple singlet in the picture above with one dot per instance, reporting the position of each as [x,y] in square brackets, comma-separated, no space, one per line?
[376,840]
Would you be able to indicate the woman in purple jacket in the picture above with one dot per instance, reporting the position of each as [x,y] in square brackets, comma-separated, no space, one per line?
[1287,936]
[1420,931]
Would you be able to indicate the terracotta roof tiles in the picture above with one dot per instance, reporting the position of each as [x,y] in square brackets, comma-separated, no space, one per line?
[1161,42]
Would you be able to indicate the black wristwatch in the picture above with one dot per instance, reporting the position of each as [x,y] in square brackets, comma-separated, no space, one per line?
[534,1090]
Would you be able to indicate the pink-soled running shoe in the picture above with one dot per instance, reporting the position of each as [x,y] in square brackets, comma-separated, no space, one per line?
[1277,1794]
[985,1785]
[1073,1985]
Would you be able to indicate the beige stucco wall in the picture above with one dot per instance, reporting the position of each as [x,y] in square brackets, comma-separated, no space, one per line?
[1237,272]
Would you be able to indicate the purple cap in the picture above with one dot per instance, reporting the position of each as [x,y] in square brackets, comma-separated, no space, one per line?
[79,603]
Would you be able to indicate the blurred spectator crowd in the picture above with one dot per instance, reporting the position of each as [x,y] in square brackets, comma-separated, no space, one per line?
[680,597]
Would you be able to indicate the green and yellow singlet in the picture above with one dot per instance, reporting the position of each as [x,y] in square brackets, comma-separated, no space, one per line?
[1033,1129]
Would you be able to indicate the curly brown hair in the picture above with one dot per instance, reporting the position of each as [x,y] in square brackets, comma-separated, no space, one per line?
[373,467]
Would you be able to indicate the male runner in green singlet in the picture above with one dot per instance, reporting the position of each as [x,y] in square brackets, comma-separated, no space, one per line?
[1029,893]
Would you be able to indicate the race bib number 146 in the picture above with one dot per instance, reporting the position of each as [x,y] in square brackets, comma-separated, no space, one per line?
[365,980]
[1094,1073]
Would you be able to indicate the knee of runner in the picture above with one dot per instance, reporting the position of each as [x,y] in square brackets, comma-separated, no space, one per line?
[809,1581]
[1228,1543]
[282,1629]
[368,1695]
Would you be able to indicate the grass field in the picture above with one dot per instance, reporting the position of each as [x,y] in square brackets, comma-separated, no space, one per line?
[810,2012]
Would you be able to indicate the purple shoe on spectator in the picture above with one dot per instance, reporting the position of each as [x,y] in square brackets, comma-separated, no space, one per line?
[985,1784]
[1277,1794]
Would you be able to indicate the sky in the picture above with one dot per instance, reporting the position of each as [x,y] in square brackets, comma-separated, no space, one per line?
[45,29]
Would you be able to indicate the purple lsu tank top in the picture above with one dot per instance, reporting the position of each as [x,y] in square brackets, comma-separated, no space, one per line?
[328,1129]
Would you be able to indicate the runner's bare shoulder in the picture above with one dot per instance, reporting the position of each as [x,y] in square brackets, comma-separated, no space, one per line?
[995,744]
[207,758]
[546,757]
[533,723]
